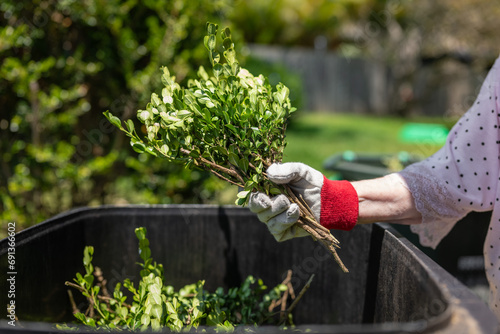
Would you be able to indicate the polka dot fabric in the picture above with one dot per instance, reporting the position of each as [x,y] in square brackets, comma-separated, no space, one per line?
[464,176]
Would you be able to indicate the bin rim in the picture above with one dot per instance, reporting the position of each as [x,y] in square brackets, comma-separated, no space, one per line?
[461,301]
[67,217]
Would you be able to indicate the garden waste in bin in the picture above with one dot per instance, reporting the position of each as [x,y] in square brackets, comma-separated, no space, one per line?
[392,287]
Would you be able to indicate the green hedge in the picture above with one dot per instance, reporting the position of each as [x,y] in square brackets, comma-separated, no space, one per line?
[62,63]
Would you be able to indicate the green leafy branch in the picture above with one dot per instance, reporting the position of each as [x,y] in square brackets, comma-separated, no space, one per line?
[158,306]
[231,124]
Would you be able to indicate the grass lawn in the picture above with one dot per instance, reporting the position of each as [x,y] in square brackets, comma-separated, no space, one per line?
[313,137]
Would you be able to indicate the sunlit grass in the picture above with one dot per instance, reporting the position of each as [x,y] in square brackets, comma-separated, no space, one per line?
[313,137]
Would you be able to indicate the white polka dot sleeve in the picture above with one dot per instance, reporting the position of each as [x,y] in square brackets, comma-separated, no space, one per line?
[464,174]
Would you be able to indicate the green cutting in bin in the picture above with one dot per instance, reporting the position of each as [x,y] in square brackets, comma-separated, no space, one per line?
[424,133]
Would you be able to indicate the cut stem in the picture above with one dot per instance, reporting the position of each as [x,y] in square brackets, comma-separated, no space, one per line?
[317,231]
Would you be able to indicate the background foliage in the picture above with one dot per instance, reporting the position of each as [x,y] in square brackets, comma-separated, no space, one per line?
[62,64]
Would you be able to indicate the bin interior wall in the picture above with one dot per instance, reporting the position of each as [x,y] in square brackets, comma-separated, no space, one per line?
[404,281]
[221,245]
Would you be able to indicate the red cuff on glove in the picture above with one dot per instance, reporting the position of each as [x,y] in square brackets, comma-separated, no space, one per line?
[339,205]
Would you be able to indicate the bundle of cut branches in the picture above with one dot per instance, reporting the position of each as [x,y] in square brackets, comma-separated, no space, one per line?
[231,124]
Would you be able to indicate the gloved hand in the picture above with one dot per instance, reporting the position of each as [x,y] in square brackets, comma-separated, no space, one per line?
[333,203]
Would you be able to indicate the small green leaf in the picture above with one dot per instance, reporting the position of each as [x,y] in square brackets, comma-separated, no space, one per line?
[218,70]
[140,233]
[155,298]
[227,68]
[154,289]
[89,279]
[155,99]
[274,191]
[80,316]
[90,322]
[226,33]
[205,42]
[240,201]
[202,73]
[255,178]
[243,164]
[149,307]
[233,159]
[145,253]
[130,125]
[164,149]
[138,147]
[253,97]
[157,311]
[235,67]
[211,42]
[212,28]
[215,57]
[145,319]
[232,128]
[155,324]
[79,278]
[243,194]
[87,255]
[227,43]
[170,308]
[183,113]
[113,119]
[123,312]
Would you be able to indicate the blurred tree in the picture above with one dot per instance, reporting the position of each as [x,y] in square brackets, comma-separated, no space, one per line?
[295,22]
[452,39]
[62,63]
[448,37]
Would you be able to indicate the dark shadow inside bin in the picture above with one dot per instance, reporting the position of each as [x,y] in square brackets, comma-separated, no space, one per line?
[390,281]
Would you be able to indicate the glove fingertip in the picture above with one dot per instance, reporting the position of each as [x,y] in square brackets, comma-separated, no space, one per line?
[280,173]
[258,202]
[293,212]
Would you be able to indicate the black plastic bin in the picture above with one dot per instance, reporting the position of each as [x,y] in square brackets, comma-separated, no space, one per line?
[392,286]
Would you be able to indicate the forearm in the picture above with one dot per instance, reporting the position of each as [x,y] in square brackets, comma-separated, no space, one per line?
[386,199]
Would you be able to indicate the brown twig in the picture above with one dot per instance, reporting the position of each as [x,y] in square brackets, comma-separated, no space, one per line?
[106,299]
[90,309]
[238,176]
[290,288]
[296,300]
[214,165]
[284,298]
[101,281]
[76,286]
[72,301]
[220,176]
[282,301]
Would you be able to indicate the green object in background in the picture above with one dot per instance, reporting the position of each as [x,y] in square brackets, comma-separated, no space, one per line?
[423,133]
[353,166]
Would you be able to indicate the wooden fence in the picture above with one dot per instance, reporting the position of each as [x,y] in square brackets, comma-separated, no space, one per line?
[332,82]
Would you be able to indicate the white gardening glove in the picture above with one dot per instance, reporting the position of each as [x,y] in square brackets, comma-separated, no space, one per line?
[340,201]
[278,214]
